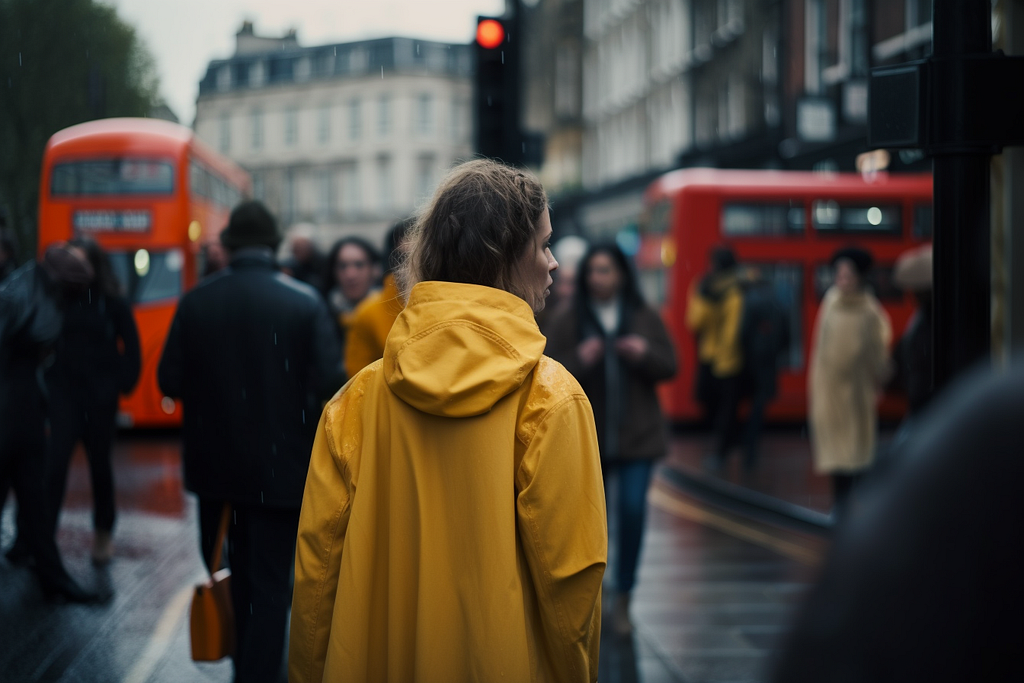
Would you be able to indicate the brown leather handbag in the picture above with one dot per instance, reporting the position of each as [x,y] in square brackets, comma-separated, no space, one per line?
[212,621]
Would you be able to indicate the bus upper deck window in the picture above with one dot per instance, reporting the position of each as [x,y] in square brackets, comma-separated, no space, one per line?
[831,216]
[108,177]
[748,219]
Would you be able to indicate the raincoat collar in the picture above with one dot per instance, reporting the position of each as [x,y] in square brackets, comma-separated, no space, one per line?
[457,349]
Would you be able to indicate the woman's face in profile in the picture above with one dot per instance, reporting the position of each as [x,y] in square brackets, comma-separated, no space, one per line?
[537,266]
[603,277]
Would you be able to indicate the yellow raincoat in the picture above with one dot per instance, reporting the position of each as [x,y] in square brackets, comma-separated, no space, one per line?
[453,522]
[369,324]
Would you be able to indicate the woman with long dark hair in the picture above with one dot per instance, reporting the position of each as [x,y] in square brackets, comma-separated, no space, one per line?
[618,349]
[97,358]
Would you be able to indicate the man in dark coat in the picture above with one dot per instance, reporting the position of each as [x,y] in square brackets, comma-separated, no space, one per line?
[252,354]
[31,316]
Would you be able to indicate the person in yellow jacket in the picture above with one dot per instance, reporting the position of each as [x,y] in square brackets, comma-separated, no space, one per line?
[714,312]
[453,522]
[371,321]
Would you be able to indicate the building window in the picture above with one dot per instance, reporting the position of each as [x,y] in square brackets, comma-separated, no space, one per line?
[350,194]
[324,187]
[224,139]
[457,118]
[323,123]
[256,128]
[425,165]
[424,121]
[259,189]
[385,182]
[355,120]
[291,126]
[384,116]
[288,205]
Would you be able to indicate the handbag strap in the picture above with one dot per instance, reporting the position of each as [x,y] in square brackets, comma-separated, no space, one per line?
[222,531]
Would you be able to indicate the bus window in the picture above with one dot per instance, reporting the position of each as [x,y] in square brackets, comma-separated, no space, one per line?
[786,281]
[148,275]
[100,177]
[771,220]
[656,223]
[879,279]
[923,221]
[832,217]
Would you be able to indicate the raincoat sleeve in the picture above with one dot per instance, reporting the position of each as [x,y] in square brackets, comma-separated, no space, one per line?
[561,511]
[323,522]
[696,309]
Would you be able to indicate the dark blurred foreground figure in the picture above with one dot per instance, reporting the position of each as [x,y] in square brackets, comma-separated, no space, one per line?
[252,354]
[97,359]
[618,349]
[764,335]
[453,523]
[923,583]
[31,315]
[714,311]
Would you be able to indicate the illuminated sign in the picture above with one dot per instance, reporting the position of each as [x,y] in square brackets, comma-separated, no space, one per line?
[112,221]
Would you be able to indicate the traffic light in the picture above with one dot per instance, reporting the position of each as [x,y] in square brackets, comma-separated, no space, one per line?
[496,90]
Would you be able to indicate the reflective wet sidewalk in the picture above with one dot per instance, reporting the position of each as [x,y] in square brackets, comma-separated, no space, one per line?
[715,592]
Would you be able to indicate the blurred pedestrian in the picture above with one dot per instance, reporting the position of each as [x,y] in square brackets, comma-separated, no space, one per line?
[31,315]
[568,251]
[453,522]
[252,354]
[714,313]
[849,364]
[371,322]
[618,348]
[304,261]
[923,582]
[97,359]
[353,266]
[913,354]
[215,257]
[764,338]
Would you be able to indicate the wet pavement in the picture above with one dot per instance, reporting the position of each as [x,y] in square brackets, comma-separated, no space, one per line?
[714,596]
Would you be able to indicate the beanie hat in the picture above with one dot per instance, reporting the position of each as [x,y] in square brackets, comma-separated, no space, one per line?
[913,271]
[250,225]
[65,265]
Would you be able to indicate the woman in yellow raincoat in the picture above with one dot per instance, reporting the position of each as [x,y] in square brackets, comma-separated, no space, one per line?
[453,522]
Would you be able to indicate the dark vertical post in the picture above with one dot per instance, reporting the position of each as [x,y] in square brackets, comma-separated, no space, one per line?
[962,261]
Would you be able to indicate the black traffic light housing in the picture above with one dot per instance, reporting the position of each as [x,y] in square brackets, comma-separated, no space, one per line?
[496,101]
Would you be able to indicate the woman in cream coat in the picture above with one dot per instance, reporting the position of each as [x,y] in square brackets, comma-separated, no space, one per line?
[849,364]
[453,523]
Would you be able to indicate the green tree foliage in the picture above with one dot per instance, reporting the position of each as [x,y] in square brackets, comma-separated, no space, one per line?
[62,62]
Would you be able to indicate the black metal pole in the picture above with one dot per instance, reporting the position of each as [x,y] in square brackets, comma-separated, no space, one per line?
[962,259]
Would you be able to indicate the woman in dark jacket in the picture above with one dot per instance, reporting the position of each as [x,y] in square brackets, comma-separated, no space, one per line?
[618,349]
[97,359]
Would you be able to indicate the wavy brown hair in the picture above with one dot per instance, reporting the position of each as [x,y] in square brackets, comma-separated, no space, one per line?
[476,228]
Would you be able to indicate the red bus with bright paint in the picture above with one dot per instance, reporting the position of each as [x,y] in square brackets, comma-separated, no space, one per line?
[152,196]
[787,224]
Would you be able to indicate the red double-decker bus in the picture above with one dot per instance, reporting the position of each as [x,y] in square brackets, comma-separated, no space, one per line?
[787,224]
[151,195]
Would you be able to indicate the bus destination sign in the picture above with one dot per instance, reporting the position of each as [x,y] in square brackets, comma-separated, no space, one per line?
[112,221]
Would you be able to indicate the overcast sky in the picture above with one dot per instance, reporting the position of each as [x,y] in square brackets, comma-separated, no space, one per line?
[184,35]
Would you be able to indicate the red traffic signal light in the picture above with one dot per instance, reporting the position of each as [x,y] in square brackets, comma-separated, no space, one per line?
[490,33]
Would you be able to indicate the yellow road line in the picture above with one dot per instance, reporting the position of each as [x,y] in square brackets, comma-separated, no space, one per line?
[162,637]
[661,497]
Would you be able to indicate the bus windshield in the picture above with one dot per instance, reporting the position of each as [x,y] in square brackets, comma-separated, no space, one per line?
[109,177]
[148,275]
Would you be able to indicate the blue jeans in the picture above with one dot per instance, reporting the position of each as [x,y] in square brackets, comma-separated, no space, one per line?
[633,478]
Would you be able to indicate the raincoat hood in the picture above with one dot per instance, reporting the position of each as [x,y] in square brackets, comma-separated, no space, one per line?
[458,349]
